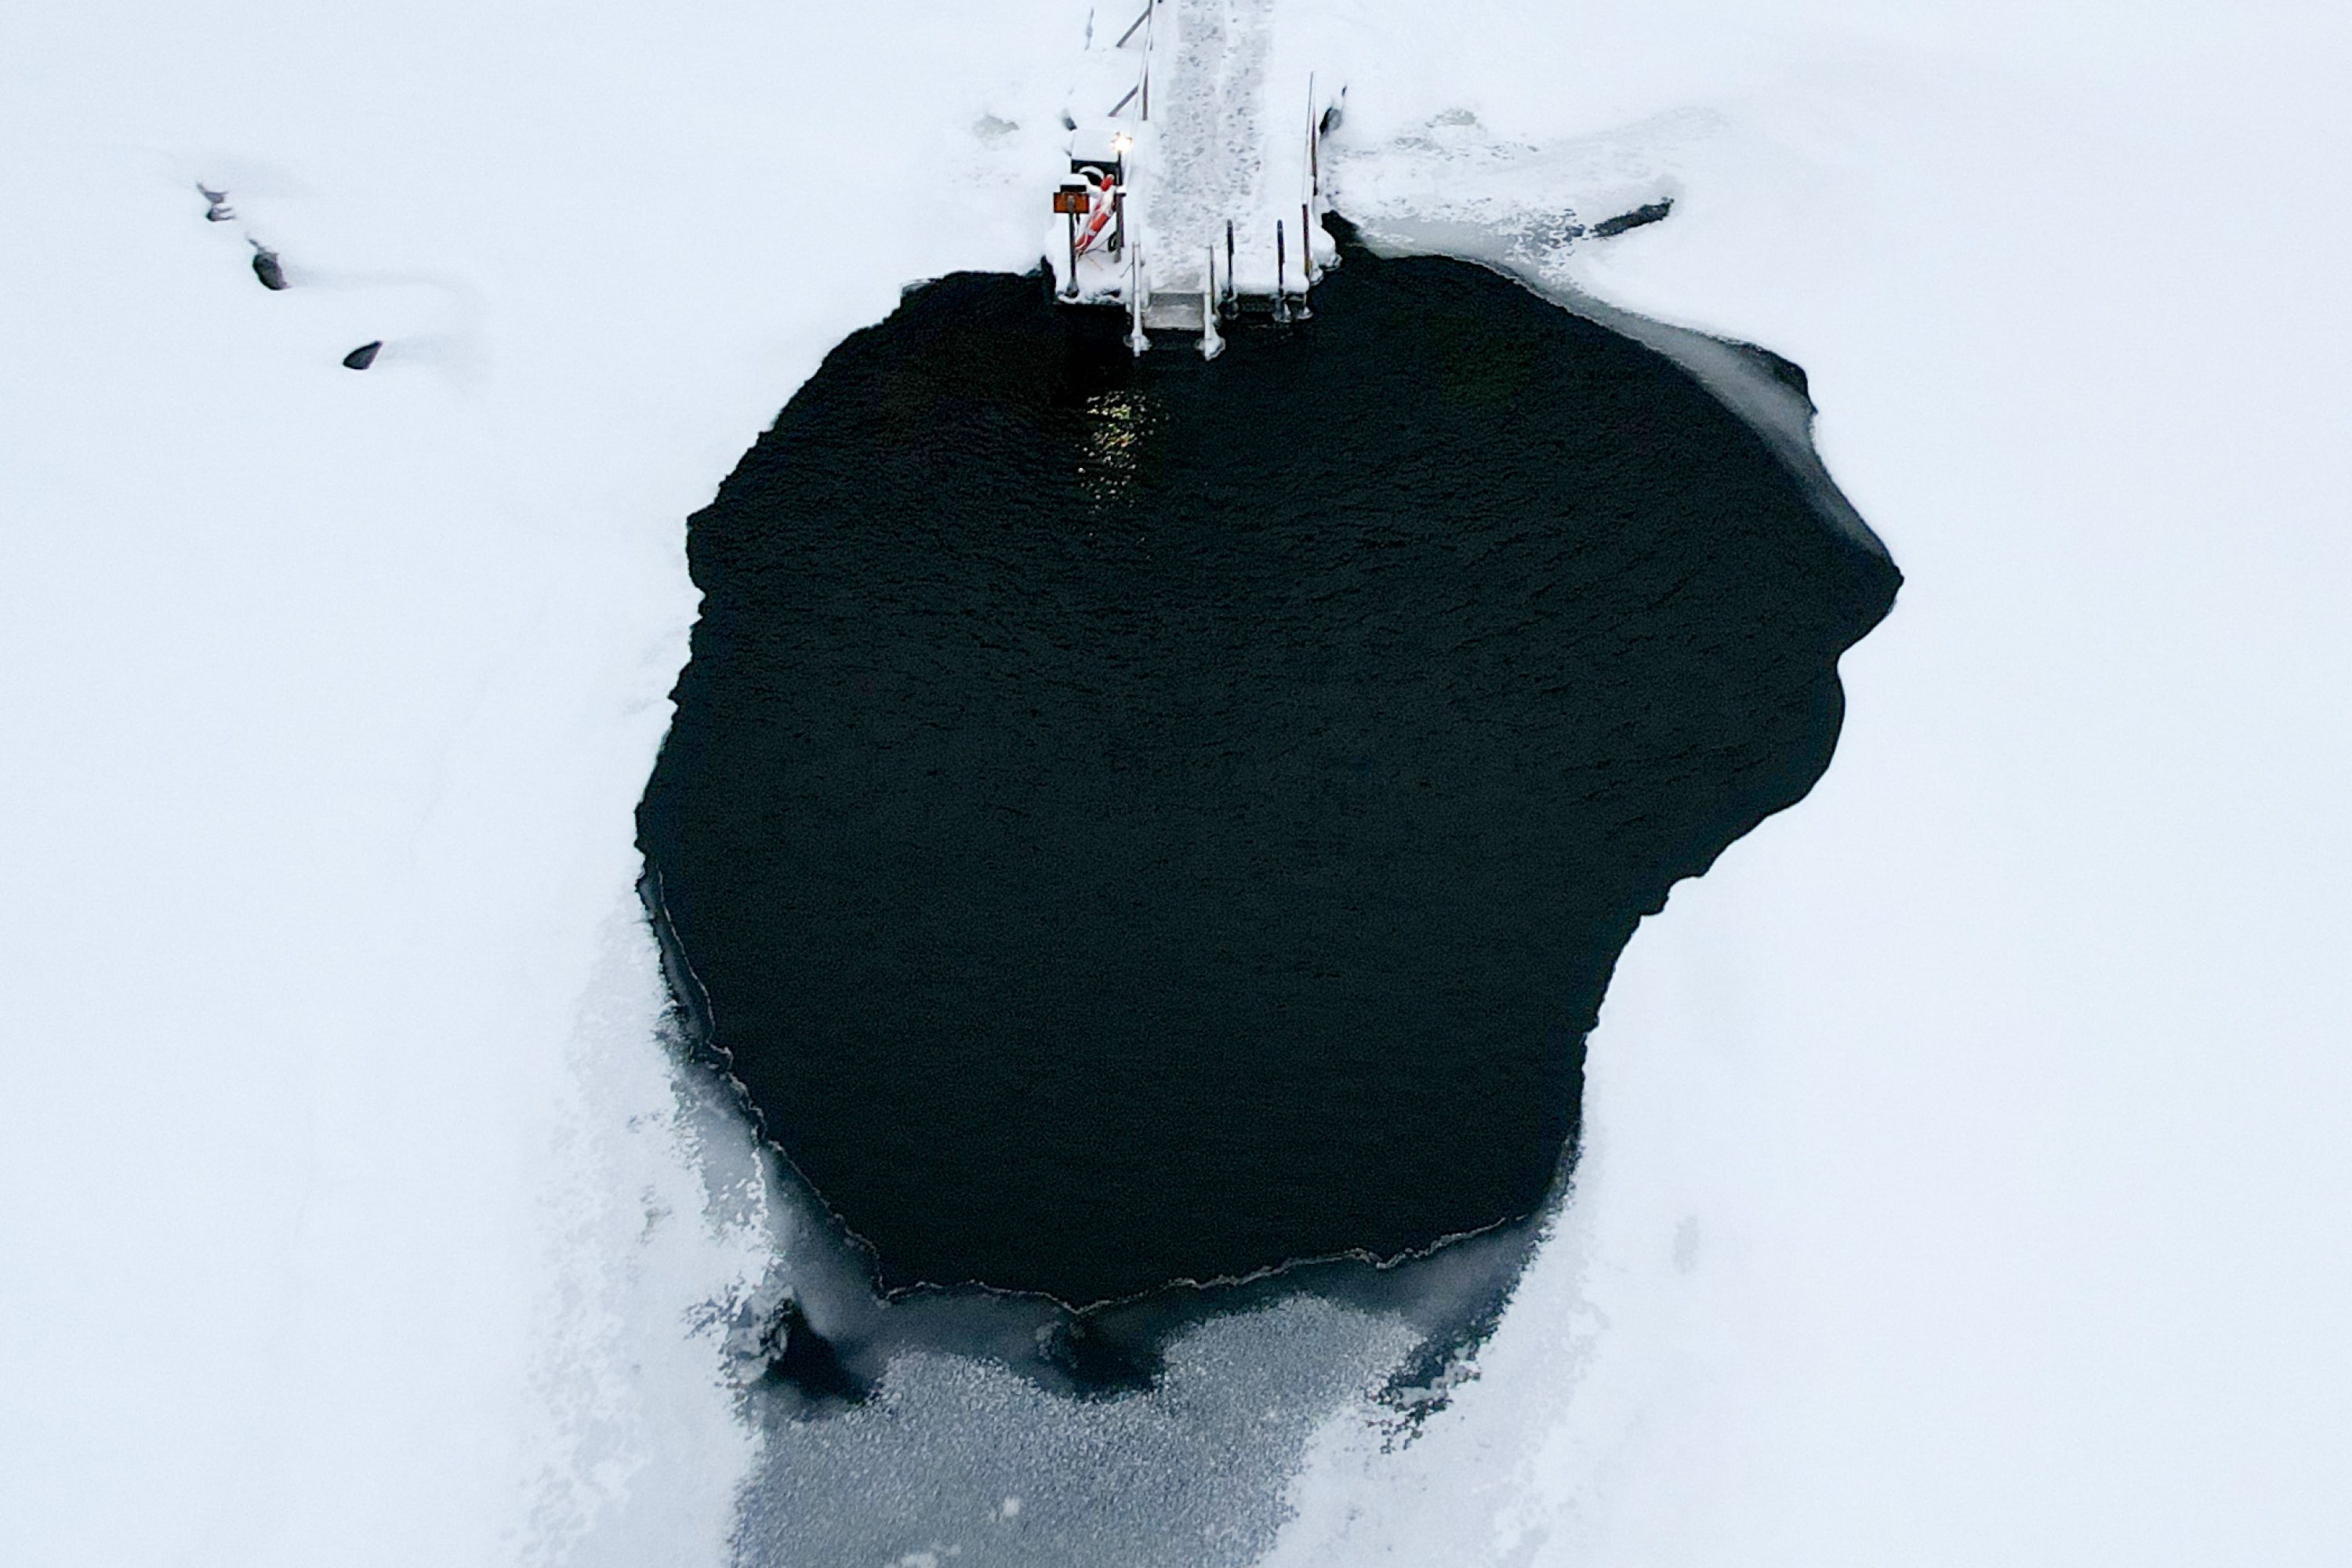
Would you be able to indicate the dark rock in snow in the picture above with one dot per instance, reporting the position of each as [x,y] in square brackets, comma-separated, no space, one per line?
[800,1358]
[216,207]
[1650,213]
[1787,371]
[266,268]
[363,356]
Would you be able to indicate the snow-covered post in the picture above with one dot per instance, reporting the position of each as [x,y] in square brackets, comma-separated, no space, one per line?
[1212,342]
[1073,201]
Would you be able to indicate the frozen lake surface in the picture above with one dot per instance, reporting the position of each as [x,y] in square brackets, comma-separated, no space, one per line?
[1958,1157]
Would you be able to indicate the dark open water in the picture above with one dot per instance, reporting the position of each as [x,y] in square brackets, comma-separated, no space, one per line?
[1140,821]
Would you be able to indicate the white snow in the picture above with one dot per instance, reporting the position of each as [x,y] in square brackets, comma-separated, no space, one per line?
[1966,1175]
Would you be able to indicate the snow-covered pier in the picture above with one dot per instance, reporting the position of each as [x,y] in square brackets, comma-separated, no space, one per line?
[1193,188]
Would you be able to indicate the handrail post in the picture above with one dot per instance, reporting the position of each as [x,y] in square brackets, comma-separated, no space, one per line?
[1314,145]
[1281,283]
[1233,301]
[1212,342]
[1136,341]
[1305,312]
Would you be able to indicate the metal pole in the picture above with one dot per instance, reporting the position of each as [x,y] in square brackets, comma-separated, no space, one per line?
[1072,291]
[1314,145]
[1212,342]
[1233,296]
[1306,264]
[1136,341]
[1281,283]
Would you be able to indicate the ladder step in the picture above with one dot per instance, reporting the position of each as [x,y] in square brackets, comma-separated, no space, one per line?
[1172,312]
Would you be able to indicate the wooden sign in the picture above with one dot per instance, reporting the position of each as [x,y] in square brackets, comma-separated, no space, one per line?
[1071,199]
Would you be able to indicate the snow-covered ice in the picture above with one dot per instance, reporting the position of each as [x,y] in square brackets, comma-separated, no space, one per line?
[1966,1177]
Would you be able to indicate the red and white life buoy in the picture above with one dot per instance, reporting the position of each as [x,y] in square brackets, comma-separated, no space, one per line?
[1099,205]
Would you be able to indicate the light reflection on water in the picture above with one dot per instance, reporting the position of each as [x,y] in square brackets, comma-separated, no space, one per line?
[1120,425]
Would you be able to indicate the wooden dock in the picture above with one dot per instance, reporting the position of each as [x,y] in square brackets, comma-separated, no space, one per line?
[1193,191]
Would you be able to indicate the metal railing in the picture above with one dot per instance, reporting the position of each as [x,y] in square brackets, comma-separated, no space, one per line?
[1141,90]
